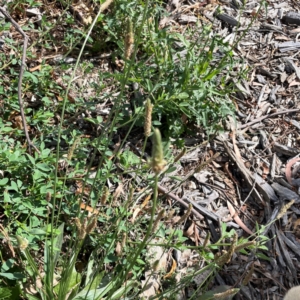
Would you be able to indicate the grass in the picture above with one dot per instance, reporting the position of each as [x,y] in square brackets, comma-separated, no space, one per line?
[53,247]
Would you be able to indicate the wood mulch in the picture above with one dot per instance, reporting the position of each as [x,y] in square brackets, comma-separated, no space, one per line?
[257,172]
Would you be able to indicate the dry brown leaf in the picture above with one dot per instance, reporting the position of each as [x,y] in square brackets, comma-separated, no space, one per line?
[216,165]
[36,68]
[59,98]
[282,38]
[16,119]
[184,119]
[257,84]
[157,257]
[296,228]
[119,190]
[296,30]
[196,236]
[150,285]
[116,148]
[265,170]
[175,219]
[86,191]
[294,82]
[118,249]
[296,223]
[89,208]
[237,219]
[135,214]
[173,268]
[18,122]
[145,202]
[190,232]
[137,210]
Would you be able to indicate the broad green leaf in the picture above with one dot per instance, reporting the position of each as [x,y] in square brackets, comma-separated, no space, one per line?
[171,169]
[183,95]
[10,293]
[4,181]
[13,186]
[6,197]
[43,167]
[37,231]
[6,265]
[13,276]
[156,123]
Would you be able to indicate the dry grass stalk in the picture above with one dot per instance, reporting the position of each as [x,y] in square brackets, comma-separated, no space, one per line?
[284,209]
[129,39]
[225,295]
[232,247]
[117,194]
[104,195]
[80,229]
[148,118]
[105,5]
[92,225]
[182,153]
[22,243]
[158,163]
[160,215]
[245,245]
[170,214]
[146,201]
[221,259]
[73,147]
[124,239]
[249,275]
[131,190]
[85,226]
[207,239]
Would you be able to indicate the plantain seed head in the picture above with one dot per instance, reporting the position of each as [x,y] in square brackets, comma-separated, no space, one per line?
[158,163]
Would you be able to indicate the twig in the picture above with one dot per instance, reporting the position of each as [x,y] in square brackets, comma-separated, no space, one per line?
[287,111]
[19,29]
[237,219]
[203,210]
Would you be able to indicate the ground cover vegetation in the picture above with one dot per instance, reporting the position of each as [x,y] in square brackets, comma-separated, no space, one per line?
[80,216]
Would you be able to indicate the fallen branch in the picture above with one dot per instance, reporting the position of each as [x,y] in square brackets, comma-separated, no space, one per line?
[282,112]
[19,29]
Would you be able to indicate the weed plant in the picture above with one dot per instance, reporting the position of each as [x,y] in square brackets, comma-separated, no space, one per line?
[52,246]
